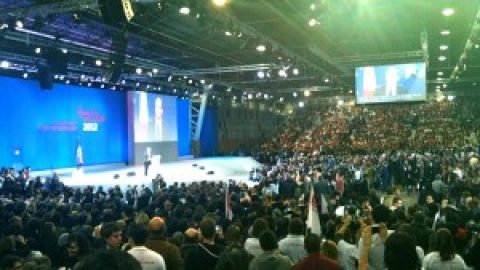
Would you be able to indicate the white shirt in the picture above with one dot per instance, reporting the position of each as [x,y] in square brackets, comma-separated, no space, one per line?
[375,255]
[149,259]
[433,262]
[347,255]
[293,247]
[252,246]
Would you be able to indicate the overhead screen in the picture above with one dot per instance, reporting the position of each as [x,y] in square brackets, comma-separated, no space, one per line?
[390,83]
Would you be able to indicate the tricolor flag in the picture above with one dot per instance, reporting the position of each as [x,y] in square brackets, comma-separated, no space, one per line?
[313,221]
[228,204]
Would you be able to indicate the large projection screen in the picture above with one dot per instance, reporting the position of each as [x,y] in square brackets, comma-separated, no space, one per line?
[390,83]
[154,125]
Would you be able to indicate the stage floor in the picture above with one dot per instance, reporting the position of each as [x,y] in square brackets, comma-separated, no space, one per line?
[224,168]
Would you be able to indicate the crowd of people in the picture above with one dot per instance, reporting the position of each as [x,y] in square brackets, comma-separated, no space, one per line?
[397,187]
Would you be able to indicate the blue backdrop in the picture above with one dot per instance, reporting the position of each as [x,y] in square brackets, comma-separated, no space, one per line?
[42,129]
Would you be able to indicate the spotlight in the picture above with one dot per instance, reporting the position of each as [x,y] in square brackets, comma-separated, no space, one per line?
[312,7]
[139,71]
[4,64]
[184,10]
[64,50]
[19,24]
[170,78]
[307,93]
[155,71]
[440,73]
[250,96]
[38,50]
[340,102]
[301,104]
[282,73]
[295,94]
[326,80]
[261,74]
[25,75]
[202,81]
[229,89]
[443,47]
[442,58]
[261,48]
[447,12]
[67,81]
[445,32]
[295,71]
[228,33]
[98,63]
[281,99]
[312,22]
[219,3]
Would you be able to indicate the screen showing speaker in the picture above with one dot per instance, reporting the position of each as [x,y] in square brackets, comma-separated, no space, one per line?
[391,83]
[155,117]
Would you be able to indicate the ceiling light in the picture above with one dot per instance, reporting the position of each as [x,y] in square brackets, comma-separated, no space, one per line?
[19,24]
[219,3]
[202,81]
[443,47]
[38,50]
[67,81]
[445,32]
[307,93]
[440,73]
[312,22]
[448,12]
[295,94]
[261,74]
[327,80]
[281,99]
[312,7]
[261,48]
[4,64]
[170,78]
[295,71]
[301,104]
[184,10]
[98,63]
[340,102]
[229,89]
[442,58]
[282,73]
[250,96]
[138,71]
[265,96]
[64,50]
[25,75]
[439,79]
[155,71]
[228,33]
[477,46]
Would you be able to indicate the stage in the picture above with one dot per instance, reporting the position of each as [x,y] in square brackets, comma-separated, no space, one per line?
[182,171]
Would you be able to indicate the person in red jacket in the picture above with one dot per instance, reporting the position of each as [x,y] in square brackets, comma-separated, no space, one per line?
[315,260]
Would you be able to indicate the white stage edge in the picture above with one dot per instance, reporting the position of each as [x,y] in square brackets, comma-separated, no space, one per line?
[183,171]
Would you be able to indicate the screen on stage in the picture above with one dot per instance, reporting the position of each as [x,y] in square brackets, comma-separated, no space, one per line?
[62,127]
[155,117]
[154,125]
[390,83]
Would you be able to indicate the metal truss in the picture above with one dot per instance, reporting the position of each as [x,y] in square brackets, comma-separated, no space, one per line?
[229,69]
[353,61]
[51,8]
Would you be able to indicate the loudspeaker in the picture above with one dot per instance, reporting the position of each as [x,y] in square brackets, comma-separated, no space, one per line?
[45,77]
[116,11]
[57,61]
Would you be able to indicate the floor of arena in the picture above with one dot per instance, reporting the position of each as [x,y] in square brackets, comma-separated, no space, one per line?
[188,170]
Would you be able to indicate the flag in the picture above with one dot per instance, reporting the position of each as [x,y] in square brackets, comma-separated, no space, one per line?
[324,206]
[79,155]
[228,204]
[313,221]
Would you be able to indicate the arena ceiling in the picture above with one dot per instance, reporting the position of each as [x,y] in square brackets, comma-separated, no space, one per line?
[318,43]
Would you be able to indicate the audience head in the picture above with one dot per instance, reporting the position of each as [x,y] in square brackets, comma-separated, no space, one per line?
[400,252]
[312,243]
[296,226]
[137,234]
[233,235]
[268,240]
[381,214]
[10,262]
[112,234]
[207,228]
[259,225]
[330,250]
[443,243]
[191,236]
[77,245]
[157,227]
[109,260]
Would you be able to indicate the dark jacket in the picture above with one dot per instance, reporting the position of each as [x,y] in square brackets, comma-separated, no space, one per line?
[234,257]
[169,252]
